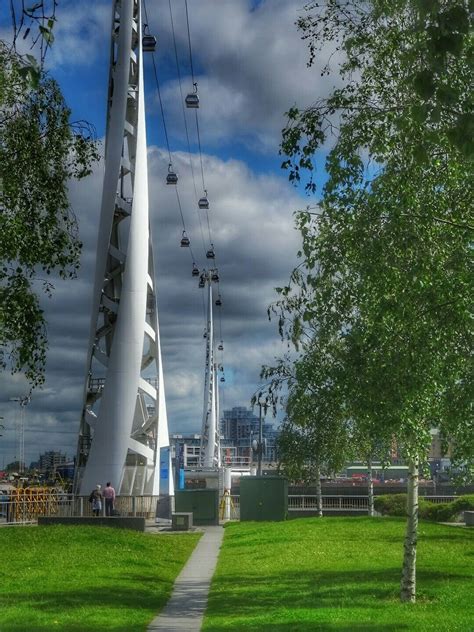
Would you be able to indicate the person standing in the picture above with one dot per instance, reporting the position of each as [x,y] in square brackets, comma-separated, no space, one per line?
[109,495]
[96,500]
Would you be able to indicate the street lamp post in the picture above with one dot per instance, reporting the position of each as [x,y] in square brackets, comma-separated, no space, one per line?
[260,438]
[23,401]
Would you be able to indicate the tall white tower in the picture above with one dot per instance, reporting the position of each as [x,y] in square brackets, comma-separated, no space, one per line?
[124,428]
[210,436]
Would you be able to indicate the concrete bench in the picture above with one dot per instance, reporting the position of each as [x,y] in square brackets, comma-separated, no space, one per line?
[136,523]
[469,518]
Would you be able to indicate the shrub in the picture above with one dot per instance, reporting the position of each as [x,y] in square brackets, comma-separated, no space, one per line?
[395,505]
[391,504]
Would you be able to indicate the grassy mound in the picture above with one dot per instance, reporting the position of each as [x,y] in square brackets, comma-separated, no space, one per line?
[339,574]
[86,579]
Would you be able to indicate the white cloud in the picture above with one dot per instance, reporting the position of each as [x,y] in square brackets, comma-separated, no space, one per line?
[252,225]
[251,67]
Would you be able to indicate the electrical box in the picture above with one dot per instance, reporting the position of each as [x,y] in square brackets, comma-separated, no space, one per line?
[202,503]
[181,521]
[263,498]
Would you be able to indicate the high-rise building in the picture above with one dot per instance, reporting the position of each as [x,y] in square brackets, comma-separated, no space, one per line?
[239,427]
[50,459]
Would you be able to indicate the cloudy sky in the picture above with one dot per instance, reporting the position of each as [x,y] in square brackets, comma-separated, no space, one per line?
[250,65]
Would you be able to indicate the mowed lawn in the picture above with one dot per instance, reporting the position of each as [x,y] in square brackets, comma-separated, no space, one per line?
[86,579]
[340,574]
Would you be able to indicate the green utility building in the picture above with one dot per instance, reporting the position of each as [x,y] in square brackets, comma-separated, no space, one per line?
[202,503]
[263,498]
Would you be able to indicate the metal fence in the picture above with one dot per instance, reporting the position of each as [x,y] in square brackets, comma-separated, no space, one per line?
[330,503]
[24,506]
[336,503]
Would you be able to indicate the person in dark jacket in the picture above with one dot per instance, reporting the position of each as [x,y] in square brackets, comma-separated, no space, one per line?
[95,499]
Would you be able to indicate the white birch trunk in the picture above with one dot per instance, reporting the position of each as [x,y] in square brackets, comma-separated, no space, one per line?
[370,486]
[408,584]
[319,495]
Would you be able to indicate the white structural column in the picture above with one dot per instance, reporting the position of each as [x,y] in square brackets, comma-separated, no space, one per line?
[124,428]
[210,442]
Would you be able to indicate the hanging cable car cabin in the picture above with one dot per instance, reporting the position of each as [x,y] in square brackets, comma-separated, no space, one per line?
[185,240]
[202,282]
[192,99]
[149,43]
[221,346]
[195,271]
[215,276]
[203,202]
[171,177]
[218,301]
[210,254]
[222,379]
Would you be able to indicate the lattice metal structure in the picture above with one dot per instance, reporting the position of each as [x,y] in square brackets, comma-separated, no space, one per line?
[124,429]
[210,439]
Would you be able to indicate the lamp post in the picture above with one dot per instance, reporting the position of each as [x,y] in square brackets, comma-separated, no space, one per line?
[23,401]
[260,437]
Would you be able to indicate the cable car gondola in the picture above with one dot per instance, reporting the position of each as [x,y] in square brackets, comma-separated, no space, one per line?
[221,346]
[222,379]
[202,282]
[192,99]
[203,202]
[210,254]
[149,43]
[171,177]
[215,276]
[185,240]
[195,271]
[218,301]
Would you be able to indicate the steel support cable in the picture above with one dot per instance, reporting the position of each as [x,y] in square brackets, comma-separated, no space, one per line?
[189,41]
[186,125]
[183,223]
[159,93]
[199,144]
[196,115]
[202,174]
[155,72]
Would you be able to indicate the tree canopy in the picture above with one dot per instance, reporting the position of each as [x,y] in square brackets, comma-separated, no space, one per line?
[40,150]
[387,251]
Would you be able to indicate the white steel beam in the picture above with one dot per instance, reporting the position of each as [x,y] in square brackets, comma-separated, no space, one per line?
[124,333]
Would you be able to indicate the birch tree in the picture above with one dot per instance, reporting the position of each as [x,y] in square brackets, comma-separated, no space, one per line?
[388,249]
[314,437]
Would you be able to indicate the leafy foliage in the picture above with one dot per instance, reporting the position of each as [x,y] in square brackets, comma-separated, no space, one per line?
[387,253]
[40,150]
[395,505]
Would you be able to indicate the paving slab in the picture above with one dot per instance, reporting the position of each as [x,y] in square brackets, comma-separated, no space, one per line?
[185,609]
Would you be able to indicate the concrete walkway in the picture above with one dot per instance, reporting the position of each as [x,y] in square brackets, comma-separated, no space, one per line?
[184,611]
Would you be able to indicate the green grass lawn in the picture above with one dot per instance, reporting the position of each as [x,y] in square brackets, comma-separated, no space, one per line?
[340,574]
[86,579]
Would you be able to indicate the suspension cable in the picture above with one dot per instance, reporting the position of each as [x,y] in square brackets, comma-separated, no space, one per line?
[189,41]
[167,138]
[186,124]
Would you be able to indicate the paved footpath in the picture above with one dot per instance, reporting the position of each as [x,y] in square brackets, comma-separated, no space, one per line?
[184,611]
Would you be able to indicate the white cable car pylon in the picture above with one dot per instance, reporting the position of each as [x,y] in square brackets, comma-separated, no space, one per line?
[124,427]
[210,436]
